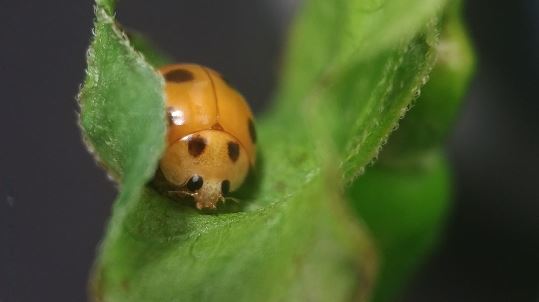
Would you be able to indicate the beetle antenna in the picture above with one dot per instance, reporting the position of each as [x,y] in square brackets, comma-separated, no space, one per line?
[182,193]
[236,200]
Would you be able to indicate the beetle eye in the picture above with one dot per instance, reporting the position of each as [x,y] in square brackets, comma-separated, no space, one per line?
[225,187]
[195,183]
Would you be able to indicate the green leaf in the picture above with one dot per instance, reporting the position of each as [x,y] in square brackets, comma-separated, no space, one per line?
[353,68]
[115,125]
[372,61]
[108,5]
[405,210]
[122,113]
[425,128]
[404,198]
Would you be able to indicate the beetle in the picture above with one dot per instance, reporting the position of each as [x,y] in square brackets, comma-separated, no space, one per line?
[211,137]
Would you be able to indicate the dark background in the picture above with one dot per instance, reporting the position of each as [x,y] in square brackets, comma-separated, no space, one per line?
[54,200]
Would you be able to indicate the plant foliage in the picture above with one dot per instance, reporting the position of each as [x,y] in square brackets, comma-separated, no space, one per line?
[353,68]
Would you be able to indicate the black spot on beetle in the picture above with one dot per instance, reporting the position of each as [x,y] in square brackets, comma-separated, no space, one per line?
[225,187]
[196,145]
[194,183]
[233,151]
[252,130]
[179,76]
[170,118]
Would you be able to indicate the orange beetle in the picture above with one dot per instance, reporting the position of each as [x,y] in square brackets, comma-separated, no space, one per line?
[211,136]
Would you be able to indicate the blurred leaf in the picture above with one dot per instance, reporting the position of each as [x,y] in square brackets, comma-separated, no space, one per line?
[404,197]
[356,66]
[425,128]
[405,210]
[353,68]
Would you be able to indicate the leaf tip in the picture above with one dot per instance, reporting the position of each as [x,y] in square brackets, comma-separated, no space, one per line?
[108,5]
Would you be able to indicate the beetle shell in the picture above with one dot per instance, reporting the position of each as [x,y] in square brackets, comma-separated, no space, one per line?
[211,140]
